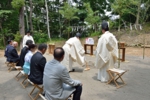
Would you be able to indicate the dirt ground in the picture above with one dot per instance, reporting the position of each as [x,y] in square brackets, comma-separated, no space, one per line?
[136,51]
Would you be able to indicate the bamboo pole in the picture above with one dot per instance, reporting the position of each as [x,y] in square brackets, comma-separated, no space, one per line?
[143,46]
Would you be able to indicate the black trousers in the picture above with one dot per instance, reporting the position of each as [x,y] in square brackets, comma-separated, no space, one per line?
[77,93]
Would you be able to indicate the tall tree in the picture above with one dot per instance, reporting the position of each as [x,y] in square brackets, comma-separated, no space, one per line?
[3,16]
[47,18]
[91,18]
[132,7]
[19,5]
[30,18]
[68,12]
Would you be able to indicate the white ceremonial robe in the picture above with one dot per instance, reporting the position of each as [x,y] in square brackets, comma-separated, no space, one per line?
[74,52]
[106,55]
[25,38]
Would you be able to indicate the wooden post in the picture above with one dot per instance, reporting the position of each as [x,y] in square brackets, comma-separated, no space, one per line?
[143,46]
[51,48]
[119,54]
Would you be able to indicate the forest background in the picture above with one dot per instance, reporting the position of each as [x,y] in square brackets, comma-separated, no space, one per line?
[55,20]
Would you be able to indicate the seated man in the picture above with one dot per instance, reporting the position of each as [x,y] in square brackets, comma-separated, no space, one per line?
[37,64]
[24,52]
[56,81]
[7,47]
[74,52]
[12,53]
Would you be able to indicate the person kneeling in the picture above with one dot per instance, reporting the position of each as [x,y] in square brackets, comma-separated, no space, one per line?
[56,81]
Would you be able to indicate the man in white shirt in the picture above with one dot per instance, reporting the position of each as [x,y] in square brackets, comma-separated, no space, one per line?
[106,53]
[27,37]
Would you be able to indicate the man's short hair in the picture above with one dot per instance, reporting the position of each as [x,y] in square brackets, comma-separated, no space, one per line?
[58,52]
[29,42]
[9,41]
[42,46]
[105,26]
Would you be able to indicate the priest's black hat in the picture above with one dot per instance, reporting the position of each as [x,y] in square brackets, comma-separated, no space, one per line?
[105,26]
[78,35]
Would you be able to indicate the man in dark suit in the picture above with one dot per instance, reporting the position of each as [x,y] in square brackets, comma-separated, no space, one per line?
[12,53]
[7,47]
[24,51]
[37,65]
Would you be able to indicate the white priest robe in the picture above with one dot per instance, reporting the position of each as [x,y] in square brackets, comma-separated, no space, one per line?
[25,38]
[74,52]
[106,55]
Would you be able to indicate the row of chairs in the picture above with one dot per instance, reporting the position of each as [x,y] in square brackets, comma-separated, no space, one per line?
[26,81]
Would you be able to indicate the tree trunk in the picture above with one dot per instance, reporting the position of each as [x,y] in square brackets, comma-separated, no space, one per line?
[31,9]
[59,25]
[27,22]
[21,21]
[47,20]
[119,26]
[21,24]
[4,40]
[138,13]
[68,30]
[0,25]
[3,37]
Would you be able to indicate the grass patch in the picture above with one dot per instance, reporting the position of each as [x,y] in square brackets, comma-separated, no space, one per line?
[56,40]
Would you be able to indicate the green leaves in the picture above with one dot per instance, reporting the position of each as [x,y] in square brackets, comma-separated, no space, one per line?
[4,13]
[17,4]
[68,12]
[40,37]
[18,37]
[132,8]
[91,16]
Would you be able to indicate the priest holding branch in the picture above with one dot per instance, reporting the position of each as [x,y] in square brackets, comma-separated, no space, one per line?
[74,52]
[106,53]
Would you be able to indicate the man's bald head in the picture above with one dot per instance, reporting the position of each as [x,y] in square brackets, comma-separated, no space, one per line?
[59,53]
[15,44]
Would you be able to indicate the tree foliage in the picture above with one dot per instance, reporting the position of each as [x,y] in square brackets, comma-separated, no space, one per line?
[66,17]
[17,4]
[68,12]
[91,16]
[136,8]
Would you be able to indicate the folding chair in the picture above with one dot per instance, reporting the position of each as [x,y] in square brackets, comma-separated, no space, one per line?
[12,65]
[69,98]
[42,96]
[24,85]
[6,63]
[39,93]
[116,74]
[17,77]
[18,68]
